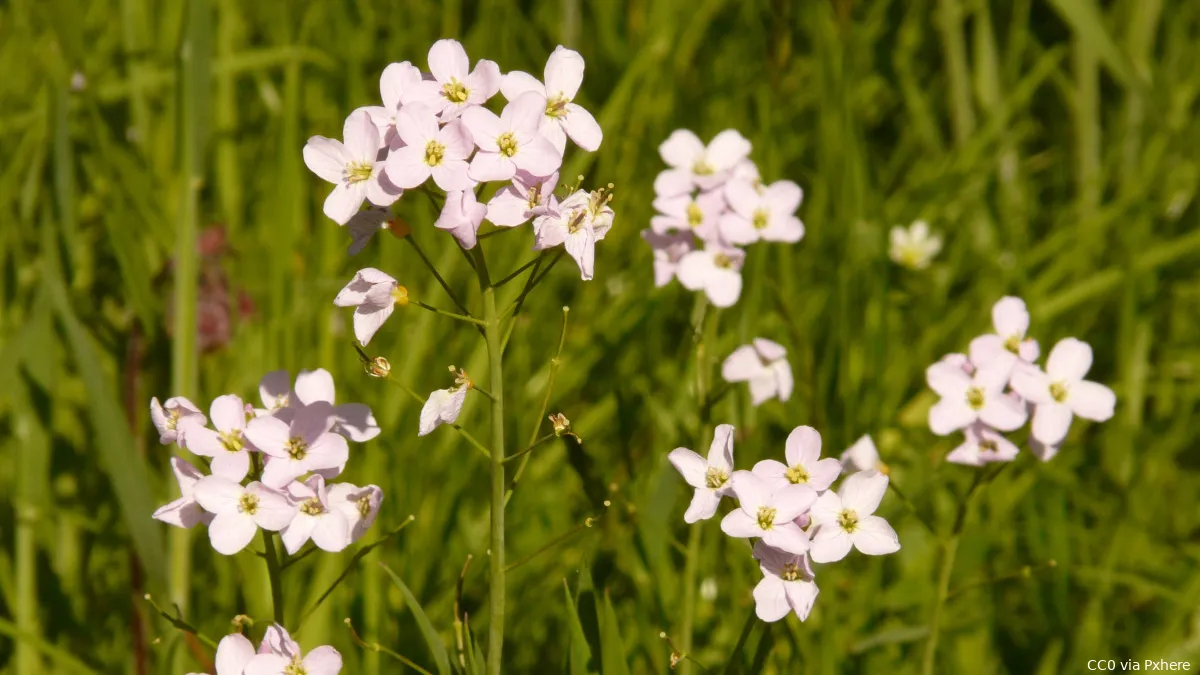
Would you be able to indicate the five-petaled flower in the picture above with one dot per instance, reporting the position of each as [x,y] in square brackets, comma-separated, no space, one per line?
[359,505]
[429,151]
[511,142]
[316,518]
[459,91]
[697,214]
[846,519]
[764,365]
[787,584]
[694,165]
[1060,392]
[711,477]
[914,247]
[576,223]
[768,513]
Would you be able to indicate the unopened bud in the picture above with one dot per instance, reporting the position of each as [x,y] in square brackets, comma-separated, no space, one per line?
[240,621]
[379,367]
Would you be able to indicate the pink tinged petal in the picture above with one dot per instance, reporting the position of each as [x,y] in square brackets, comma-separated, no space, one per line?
[564,73]
[1051,421]
[742,365]
[673,182]
[484,126]
[824,512]
[380,189]
[720,451]
[269,434]
[345,200]
[783,379]
[803,446]
[727,149]
[1029,350]
[323,660]
[1043,451]
[491,166]
[783,196]
[773,472]
[763,387]
[830,544]
[801,596]
[822,474]
[583,128]
[966,453]
[689,465]
[484,81]
[743,198]
[368,321]
[200,439]
[695,270]
[770,599]
[448,60]
[453,175]
[267,664]
[1033,385]
[1004,412]
[948,380]
[681,149]
[523,115]
[989,351]
[1010,317]
[183,512]
[217,494]
[515,82]
[356,422]
[361,136]
[724,288]
[332,532]
[950,415]
[769,350]
[298,532]
[863,491]
[274,511]
[993,378]
[315,385]
[581,245]
[539,157]
[395,80]
[327,158]
[874,536]
[862,456]
[280,471]
[737,230]
[231,465]
[228,413]
[1069,361]
[508,208]
[231,532]
[1005,451]
[791,501]
[186,474]
[786,230]
[1092,401]
[416,124]
[274,388]
[752,491]
[703,506]
[406,167]
[457,139]
[329,451]
[233,653]
[738,523]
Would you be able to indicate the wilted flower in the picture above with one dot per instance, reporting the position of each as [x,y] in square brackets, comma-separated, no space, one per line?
[914,247]
[1060,392]
[764,365]
[184,512]
[351,166]
[166,417]
[576,223]
[711,478]
[444,405]
[804,464]
[767,213]
[374,295]
[240,511]
[845,519]
[716,269]
[563,117]
[768,513]
[695,165]
[787,584]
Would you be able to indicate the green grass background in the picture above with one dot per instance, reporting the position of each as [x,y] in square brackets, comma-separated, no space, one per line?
[1052,142]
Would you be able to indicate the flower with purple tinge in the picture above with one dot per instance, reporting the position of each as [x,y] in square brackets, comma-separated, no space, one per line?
[233,653]
[846,519]
[576,223]
[399,85]
[695,165]
[982,445]
[517,203]
[461,216]
[430,151]
[352,167]
[304,445]
[280,655]
[698,215]
[240,511]
[364,225]
[459,91]
[444,405]
[787,584]
[352,420]
[226,446]
[804,464]
[166,417]
[1060,392]
[769,513]
[967,398]
[764,365]
[316,518]
[1008,346]
[710,478]
[374,295]
[716,269]
[562,116]
[862,456]
[768,214]
[277,640]
[669,249]
[360,506]
[184,512]
[511,142]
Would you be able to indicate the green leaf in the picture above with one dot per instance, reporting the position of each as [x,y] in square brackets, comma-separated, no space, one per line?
[580,654]
[432,640]
[1086,21]
[610,640]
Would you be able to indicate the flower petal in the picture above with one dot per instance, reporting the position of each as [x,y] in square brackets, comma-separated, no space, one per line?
[681,149]
[703,506]
[874,536]
[803,446]
[1005,413]
[326,157]
[448,60]
[583,128]
[770,599]
[564,73]
[231,532]
[233,653]
[720,451]
[1092,401]
[738,523]
[862,492]
[690,465]
[1051,421]
[315,385]
[830,544]
[1069,361]
[1010,317]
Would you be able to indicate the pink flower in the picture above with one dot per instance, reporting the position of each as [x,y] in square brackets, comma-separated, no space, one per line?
[694,165]
[280,655]
[576,223]
[1008,345]
[352,420]
[429,151]
[981,446]
[767,214]
[352,167]
[304,445]
[400,85]
[698,215]
[459,91]
[461,216]
[562,116]
[769,513]
[374,295]
[511,141]
[711,478]
[787,584]
[716,269]
[1060,392]
[967,398]
[166,417]
[226,446]
[517,203]
[233,653]
[764,365]
[316,518]
[845,519]
[184,512]
[360,506]
[804,464]
[240,511]
[669,249]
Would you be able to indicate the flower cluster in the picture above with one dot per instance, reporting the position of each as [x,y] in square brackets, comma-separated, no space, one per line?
[763,364]
[278,654]
[269,466]
[434,126]
[710,203]
[792,511]
[998,385]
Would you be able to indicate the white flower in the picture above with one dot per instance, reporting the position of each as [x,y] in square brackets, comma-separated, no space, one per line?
[226,446]
[1060,392]
[399,85]
[1007,347]
[316,518]
[351,166]
[787,584]
[240,511]
[279,654]
[166,417]
[982,445]
[458,90]
[184,512]
[511,142]
[716,269]
[769,514]
[845,519]
[764,365]
[914,247]
[762,213]
[444,405]
[374,295]
[563,117]
[430,151]
[967,398]
[304,445]
[804,464]
[233,653]
[695,165]
[710,478]
[352,420]
[461,216]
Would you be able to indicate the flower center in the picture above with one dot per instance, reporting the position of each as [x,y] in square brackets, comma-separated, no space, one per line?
[1058,391]
[723,261]
[766,517]
[975,398]
[248,503]
[987,445]
[535,196]
[576,221]
[434,152]
[760,219]
[312,507]
[701,167]
[364,506]
[1013,344]
[791,572]
[797,474]
[173,417]
[296,448]
[848,521]
[556,106]
[694,215]
[295,667]
[357,172]
[508,144]
[232,440]
[455,91]
[715,477]
[281,402]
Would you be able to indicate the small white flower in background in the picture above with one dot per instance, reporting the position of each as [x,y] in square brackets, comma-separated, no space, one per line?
[399,85]
[240,511]
[562,116]
[374,295]
[710,478]
[444,405]
[668,249]
[767,213]
[227,445]
[1008,346]
[316,518]
[914,247]
[279,654]
[515,204]
[967,398]
[511,142]
[364,225]
[184,512]
[461,216]
[698,215]
[459,90]
[846,519]
[695,165]
[576,223]
[166,417]
[862,456]
[716,269]
[787,584]
[804,464]
[708,589]
[303,445]
[233,653]
[360,506]
[768,513]
[1060,392]
[430,151]
[981,446]
[351,166]
[764,365]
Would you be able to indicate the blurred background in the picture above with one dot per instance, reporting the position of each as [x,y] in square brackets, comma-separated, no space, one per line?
[1052,143]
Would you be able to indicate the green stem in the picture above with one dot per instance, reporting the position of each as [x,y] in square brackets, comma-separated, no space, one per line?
[516,273]
[735,656]
[587,523]
[543,439]
[705,323]
[452,315]
[380,649]
[276,574]
[457,427]
[436,275]
[537,424]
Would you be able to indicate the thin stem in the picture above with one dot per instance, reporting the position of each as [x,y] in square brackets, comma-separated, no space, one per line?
[179,623]
[536,443]
[376,647]
[276,574]
[735,656]
[487,394]
[534,280]
[516,273]
[1024,573]
[911,507]
[452,315]
[587,523]
[554,364]
[459,616]
[437,275]
[292,560]
[498,230]
[705,324]
[678,657]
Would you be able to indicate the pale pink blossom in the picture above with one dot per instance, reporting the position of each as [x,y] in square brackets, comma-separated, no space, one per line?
[804,464]
[668,249]
[967,398]
[511,142]
[576,223]
[695,165]
[233,653]
[982,445]
[305,444]
[562,117]
[399,85]
[374,295]
[227,446]
[355,421]
[167,416]
[184,512]
[352,167]
[240,511]
[360,506]
[279,654]
[767,214]
[768,513]
[461,216]
[1008,346]
[716,269]
[862,456]
[787,584]
[316,518]
[459,90]
[763,364]
[710,478]
[697,214]
[846,519]
[429,151]
[515,204]
[1060,393]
